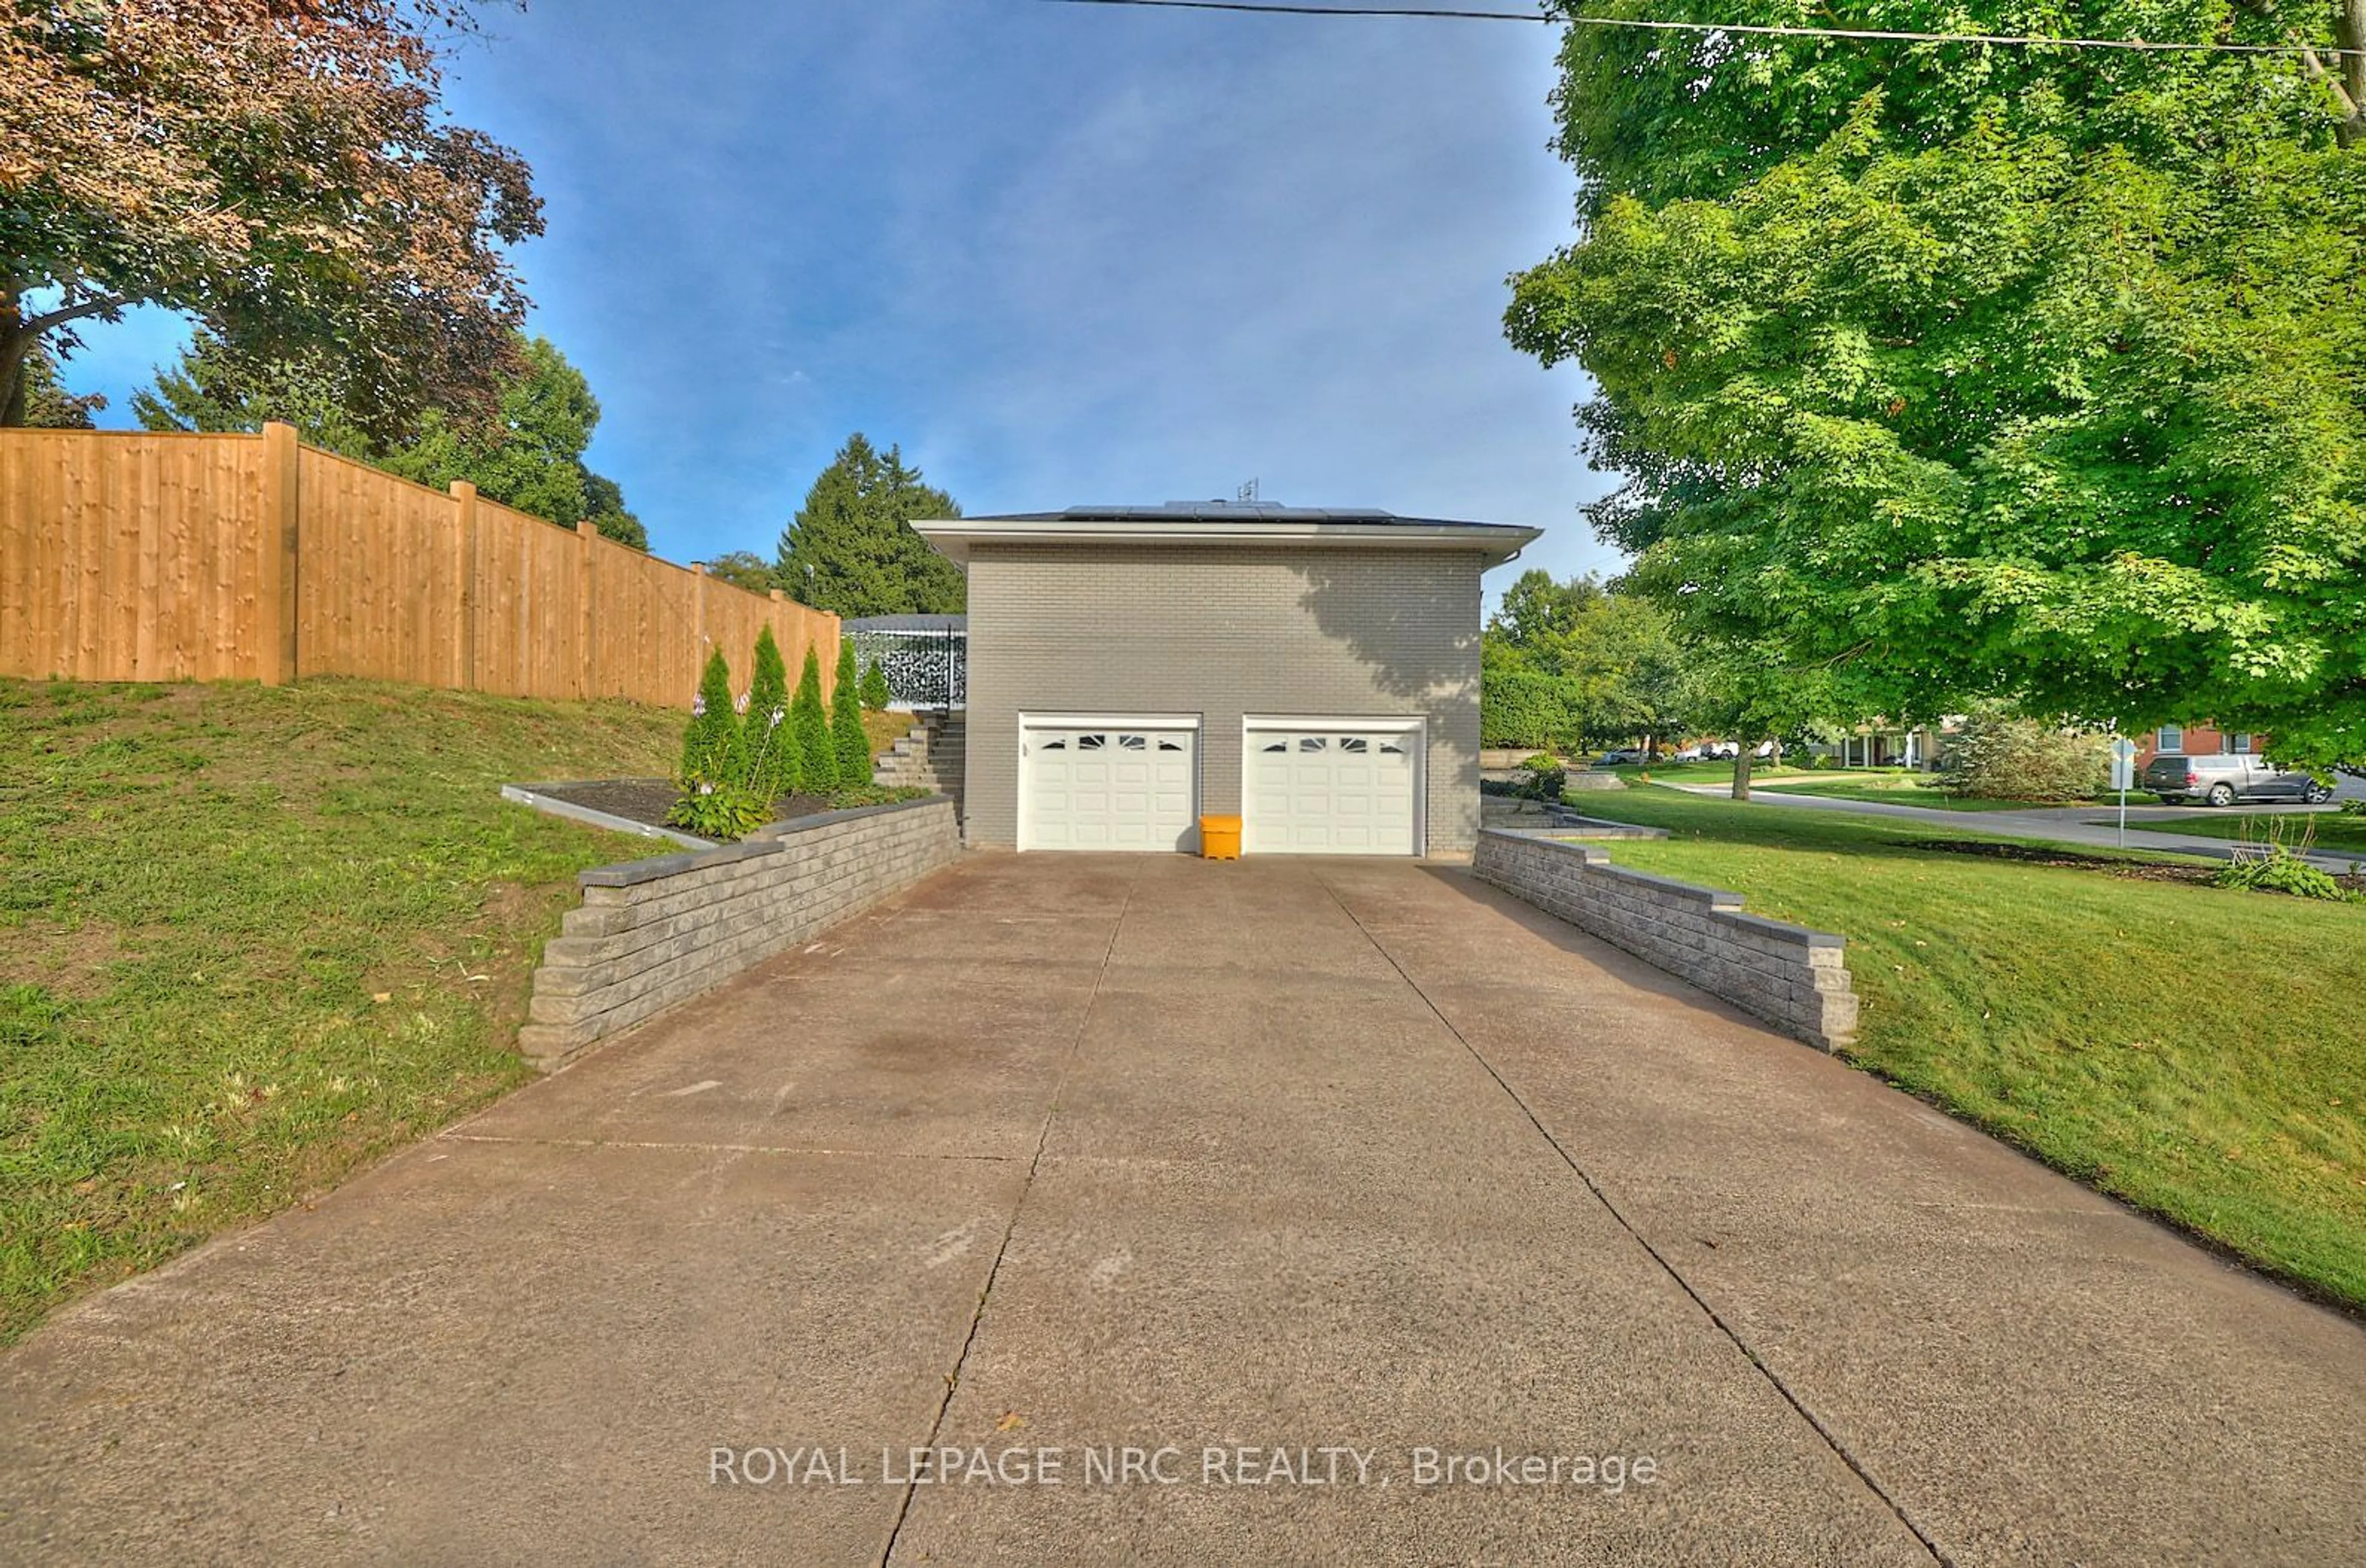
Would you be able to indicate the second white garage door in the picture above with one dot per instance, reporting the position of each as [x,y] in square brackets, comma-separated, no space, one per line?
[1316,787]
[1108,784]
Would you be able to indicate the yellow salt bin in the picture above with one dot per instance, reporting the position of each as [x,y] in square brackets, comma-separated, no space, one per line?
[1220,838]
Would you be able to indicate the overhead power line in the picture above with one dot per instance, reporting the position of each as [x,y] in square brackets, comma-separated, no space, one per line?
[2014,40]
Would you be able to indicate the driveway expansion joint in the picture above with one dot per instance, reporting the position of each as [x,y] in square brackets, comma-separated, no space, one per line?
[1002,1248]
[1830,1438]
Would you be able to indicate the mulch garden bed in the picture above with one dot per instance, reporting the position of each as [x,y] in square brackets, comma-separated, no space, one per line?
[2141,870]
[647,800]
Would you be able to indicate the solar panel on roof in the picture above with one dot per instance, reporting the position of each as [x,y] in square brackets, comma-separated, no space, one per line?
[1182,511]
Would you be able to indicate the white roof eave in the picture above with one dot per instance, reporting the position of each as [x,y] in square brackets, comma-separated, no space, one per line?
[1500,543]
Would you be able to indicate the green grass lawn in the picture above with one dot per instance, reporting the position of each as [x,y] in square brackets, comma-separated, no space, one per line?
[2198,1053]
[2329,832]
[886,728]
[253,939]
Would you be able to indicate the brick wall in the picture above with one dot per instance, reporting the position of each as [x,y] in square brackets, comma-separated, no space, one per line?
[2199,740]
[1224,632]
[655,933]
[1789,975]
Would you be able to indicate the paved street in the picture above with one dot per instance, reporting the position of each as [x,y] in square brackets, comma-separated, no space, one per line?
[1285,1174]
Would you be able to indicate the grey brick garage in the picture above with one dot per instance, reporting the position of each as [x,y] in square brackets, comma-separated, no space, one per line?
[1132,669]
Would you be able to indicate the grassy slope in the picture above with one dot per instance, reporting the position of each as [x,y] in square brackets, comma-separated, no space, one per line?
[250,939]
[887,728]
[2198,1053]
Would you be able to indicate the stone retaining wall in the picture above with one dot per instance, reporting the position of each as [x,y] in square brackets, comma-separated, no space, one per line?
[655,933]
[1789,975]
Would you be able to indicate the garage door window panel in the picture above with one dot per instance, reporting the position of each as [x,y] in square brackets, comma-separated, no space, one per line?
[1313,787]
[1093,786]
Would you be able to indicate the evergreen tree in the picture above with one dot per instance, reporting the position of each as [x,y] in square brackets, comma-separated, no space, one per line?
[47,405]
[852,550]
[711,749]
[846,722]
[771,739]
[215,388]
[875,695]
[816,754]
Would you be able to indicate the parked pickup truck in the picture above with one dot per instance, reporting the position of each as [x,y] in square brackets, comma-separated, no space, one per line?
[2224,780]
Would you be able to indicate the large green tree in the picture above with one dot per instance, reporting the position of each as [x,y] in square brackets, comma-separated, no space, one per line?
[852,550]
[1750,695]
[744,568]
[1947,371]
[1563,664]
[532,456]
[529,455]
[281,170]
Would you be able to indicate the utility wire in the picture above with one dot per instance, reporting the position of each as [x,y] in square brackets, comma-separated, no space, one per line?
[2145,46]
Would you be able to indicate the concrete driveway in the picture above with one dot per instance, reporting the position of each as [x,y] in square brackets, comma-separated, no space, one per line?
[1303,1179]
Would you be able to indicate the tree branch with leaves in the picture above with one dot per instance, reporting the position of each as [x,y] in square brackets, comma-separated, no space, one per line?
[1959,372]
[280,170]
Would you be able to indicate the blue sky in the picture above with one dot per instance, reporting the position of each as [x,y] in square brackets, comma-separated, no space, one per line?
[1061,253]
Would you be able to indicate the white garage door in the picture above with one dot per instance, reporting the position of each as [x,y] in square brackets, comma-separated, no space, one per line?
[1326,789]
[1108,785]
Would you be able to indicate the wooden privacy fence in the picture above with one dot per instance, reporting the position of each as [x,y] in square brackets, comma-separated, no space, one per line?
[132,556]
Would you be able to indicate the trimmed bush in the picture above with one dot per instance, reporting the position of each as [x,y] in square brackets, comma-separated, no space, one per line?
[767,736]
[717,802]
[1519,706]
[712,754]
[816,754]
[853,743]
[2001,756]
[1545,777]
[725,813]
[875,695]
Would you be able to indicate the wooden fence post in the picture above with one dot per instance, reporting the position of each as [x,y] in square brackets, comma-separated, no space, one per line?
[586,533]
[275,652]
[463,629]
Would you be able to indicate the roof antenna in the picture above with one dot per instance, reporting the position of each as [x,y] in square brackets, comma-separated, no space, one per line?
[1248,493]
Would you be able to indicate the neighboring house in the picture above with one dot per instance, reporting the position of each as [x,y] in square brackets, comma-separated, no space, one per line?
[1883,745]
[2196,740]
[1875,745]
[1132,669]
